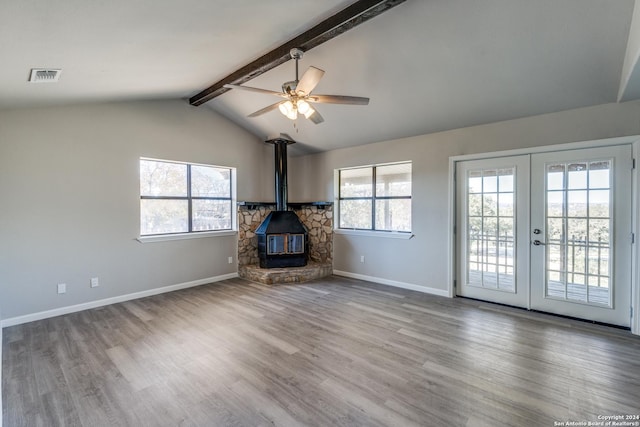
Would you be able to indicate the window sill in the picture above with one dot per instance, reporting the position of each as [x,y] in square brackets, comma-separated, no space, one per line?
[372,233]
[185,236]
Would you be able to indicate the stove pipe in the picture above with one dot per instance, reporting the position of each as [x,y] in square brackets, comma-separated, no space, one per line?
[280,157]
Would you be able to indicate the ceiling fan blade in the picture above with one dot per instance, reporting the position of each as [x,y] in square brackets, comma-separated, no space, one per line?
[339,99]
[309,80]
[266,109]
[316,117]
[255,89]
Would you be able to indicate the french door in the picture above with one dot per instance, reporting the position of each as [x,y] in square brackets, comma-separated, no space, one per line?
[581,233]
[492,222]
[548,232]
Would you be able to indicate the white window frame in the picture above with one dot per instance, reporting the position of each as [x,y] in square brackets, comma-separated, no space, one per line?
[150,238]
[369,232]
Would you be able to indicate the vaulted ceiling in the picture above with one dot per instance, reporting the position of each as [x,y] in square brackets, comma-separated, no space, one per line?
[427,65]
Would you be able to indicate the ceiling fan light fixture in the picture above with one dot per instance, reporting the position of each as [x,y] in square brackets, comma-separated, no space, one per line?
[293,114]
[303,106]
[286,107]
[289,109]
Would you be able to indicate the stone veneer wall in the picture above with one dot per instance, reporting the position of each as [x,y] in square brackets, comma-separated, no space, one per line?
[319,223]
[318,220]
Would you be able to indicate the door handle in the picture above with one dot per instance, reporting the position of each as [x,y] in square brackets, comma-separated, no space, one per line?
[538,243]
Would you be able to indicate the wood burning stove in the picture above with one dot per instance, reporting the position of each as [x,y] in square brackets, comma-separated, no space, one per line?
[282,238]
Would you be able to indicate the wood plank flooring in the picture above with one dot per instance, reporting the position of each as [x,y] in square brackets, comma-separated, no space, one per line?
[333,352]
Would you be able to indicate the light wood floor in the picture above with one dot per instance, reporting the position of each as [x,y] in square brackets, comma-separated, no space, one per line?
[336,352]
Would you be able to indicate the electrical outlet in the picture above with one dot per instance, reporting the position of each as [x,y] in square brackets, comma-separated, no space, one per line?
[95,282]
[62,288]
[362,258]
[230,260]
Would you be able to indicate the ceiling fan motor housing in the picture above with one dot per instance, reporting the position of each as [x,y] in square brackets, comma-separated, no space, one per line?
[290,87]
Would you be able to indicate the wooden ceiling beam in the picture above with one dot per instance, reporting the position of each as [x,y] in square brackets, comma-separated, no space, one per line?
[353,15]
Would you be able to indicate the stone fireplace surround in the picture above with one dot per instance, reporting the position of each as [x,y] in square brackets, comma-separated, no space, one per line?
[316,216]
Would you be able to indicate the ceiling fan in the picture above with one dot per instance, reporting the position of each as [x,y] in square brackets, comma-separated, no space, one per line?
[297,94]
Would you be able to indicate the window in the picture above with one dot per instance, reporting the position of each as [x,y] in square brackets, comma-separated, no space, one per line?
[375,198]
[184,198]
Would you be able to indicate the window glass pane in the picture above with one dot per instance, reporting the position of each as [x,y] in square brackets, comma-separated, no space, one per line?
[211,215]
[555,203]
[577,176]
[490,228]
[393,214]
[577,230]
[505,180]
[555,230]
[576,203]
[604,266]
[505,229]
[356,182]
[555,177]
[599,231]
[355,214]
[163,179]
[555,258]
[490,204]
[163,216]
[490,181]
[505,204]
[475,205]
[599,205]
[393,180]
[208,181]
[599,174]
[474,182]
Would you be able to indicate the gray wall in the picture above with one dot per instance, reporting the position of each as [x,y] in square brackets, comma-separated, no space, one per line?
[70,207]
[422,261]
[69,190]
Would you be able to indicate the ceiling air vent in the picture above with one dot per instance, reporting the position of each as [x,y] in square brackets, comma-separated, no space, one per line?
[44,75]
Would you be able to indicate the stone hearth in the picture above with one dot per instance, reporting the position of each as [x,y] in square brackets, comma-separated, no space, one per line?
[274,276]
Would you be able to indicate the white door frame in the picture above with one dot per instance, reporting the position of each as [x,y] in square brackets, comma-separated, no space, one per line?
[635,215]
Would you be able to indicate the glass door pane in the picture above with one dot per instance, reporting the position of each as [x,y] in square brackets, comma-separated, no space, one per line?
[578,225]
[490,228]
[493,200]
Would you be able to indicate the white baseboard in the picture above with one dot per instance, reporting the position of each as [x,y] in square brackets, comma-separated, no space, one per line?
[113,300]
[394,283]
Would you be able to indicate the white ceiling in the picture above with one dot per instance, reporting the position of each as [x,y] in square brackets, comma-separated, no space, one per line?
[427,65]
